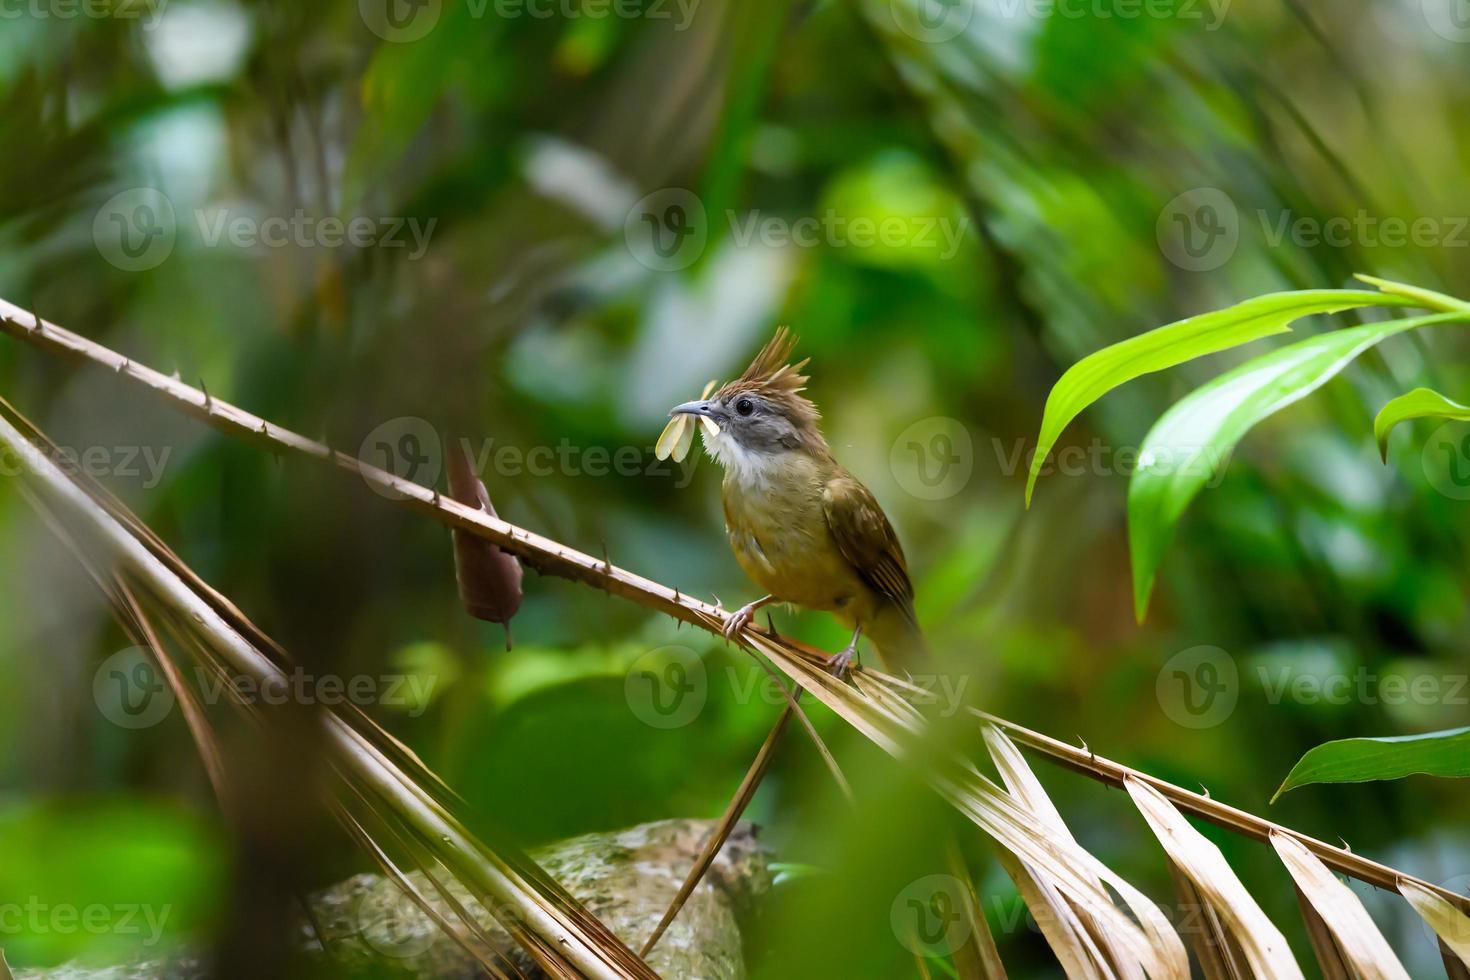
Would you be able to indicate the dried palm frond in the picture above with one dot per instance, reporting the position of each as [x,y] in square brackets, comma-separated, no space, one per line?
[1199,860]
[1360,949]
[1082,946]
[977,957]
[1450,924]
[899,729]
[565,939]
[722,830]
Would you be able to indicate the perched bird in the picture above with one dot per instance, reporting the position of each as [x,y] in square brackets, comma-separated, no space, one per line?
[802,527]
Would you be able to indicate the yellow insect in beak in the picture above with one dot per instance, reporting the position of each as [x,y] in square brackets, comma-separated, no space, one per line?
[678,435]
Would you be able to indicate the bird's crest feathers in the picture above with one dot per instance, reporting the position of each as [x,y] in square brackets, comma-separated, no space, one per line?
[773,376]
[772,366]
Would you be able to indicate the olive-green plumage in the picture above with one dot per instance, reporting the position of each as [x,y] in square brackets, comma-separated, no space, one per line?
[801,526]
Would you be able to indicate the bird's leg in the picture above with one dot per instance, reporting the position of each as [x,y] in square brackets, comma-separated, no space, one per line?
[841,662]
[742,616]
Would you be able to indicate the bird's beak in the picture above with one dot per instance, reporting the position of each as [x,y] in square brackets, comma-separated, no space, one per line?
[691,408]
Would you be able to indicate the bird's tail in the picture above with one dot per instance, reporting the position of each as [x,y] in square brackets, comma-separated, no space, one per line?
[896,637]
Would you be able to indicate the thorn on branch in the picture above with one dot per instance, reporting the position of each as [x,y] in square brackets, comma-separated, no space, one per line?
[208,402]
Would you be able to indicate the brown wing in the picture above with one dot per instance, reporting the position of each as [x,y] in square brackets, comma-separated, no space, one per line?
[866,539]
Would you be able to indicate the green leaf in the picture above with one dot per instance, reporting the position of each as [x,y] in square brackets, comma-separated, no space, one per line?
[1099,373]
[1421,403]
[1358,760]
[1427,298]
[1190,443]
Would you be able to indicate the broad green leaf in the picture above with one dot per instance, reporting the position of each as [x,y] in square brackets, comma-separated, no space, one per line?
[1427,298]
[1099,373]
[1359,760]
[1421,403]
[1190,443]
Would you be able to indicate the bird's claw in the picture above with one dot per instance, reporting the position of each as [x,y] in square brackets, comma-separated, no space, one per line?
[739,619]
[840,664]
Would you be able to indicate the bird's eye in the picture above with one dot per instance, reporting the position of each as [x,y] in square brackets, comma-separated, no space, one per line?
[744,406]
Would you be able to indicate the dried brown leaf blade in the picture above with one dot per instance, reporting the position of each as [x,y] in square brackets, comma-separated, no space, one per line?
[1450,924]
[1265,948]
[1071,870]
[1361,945]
